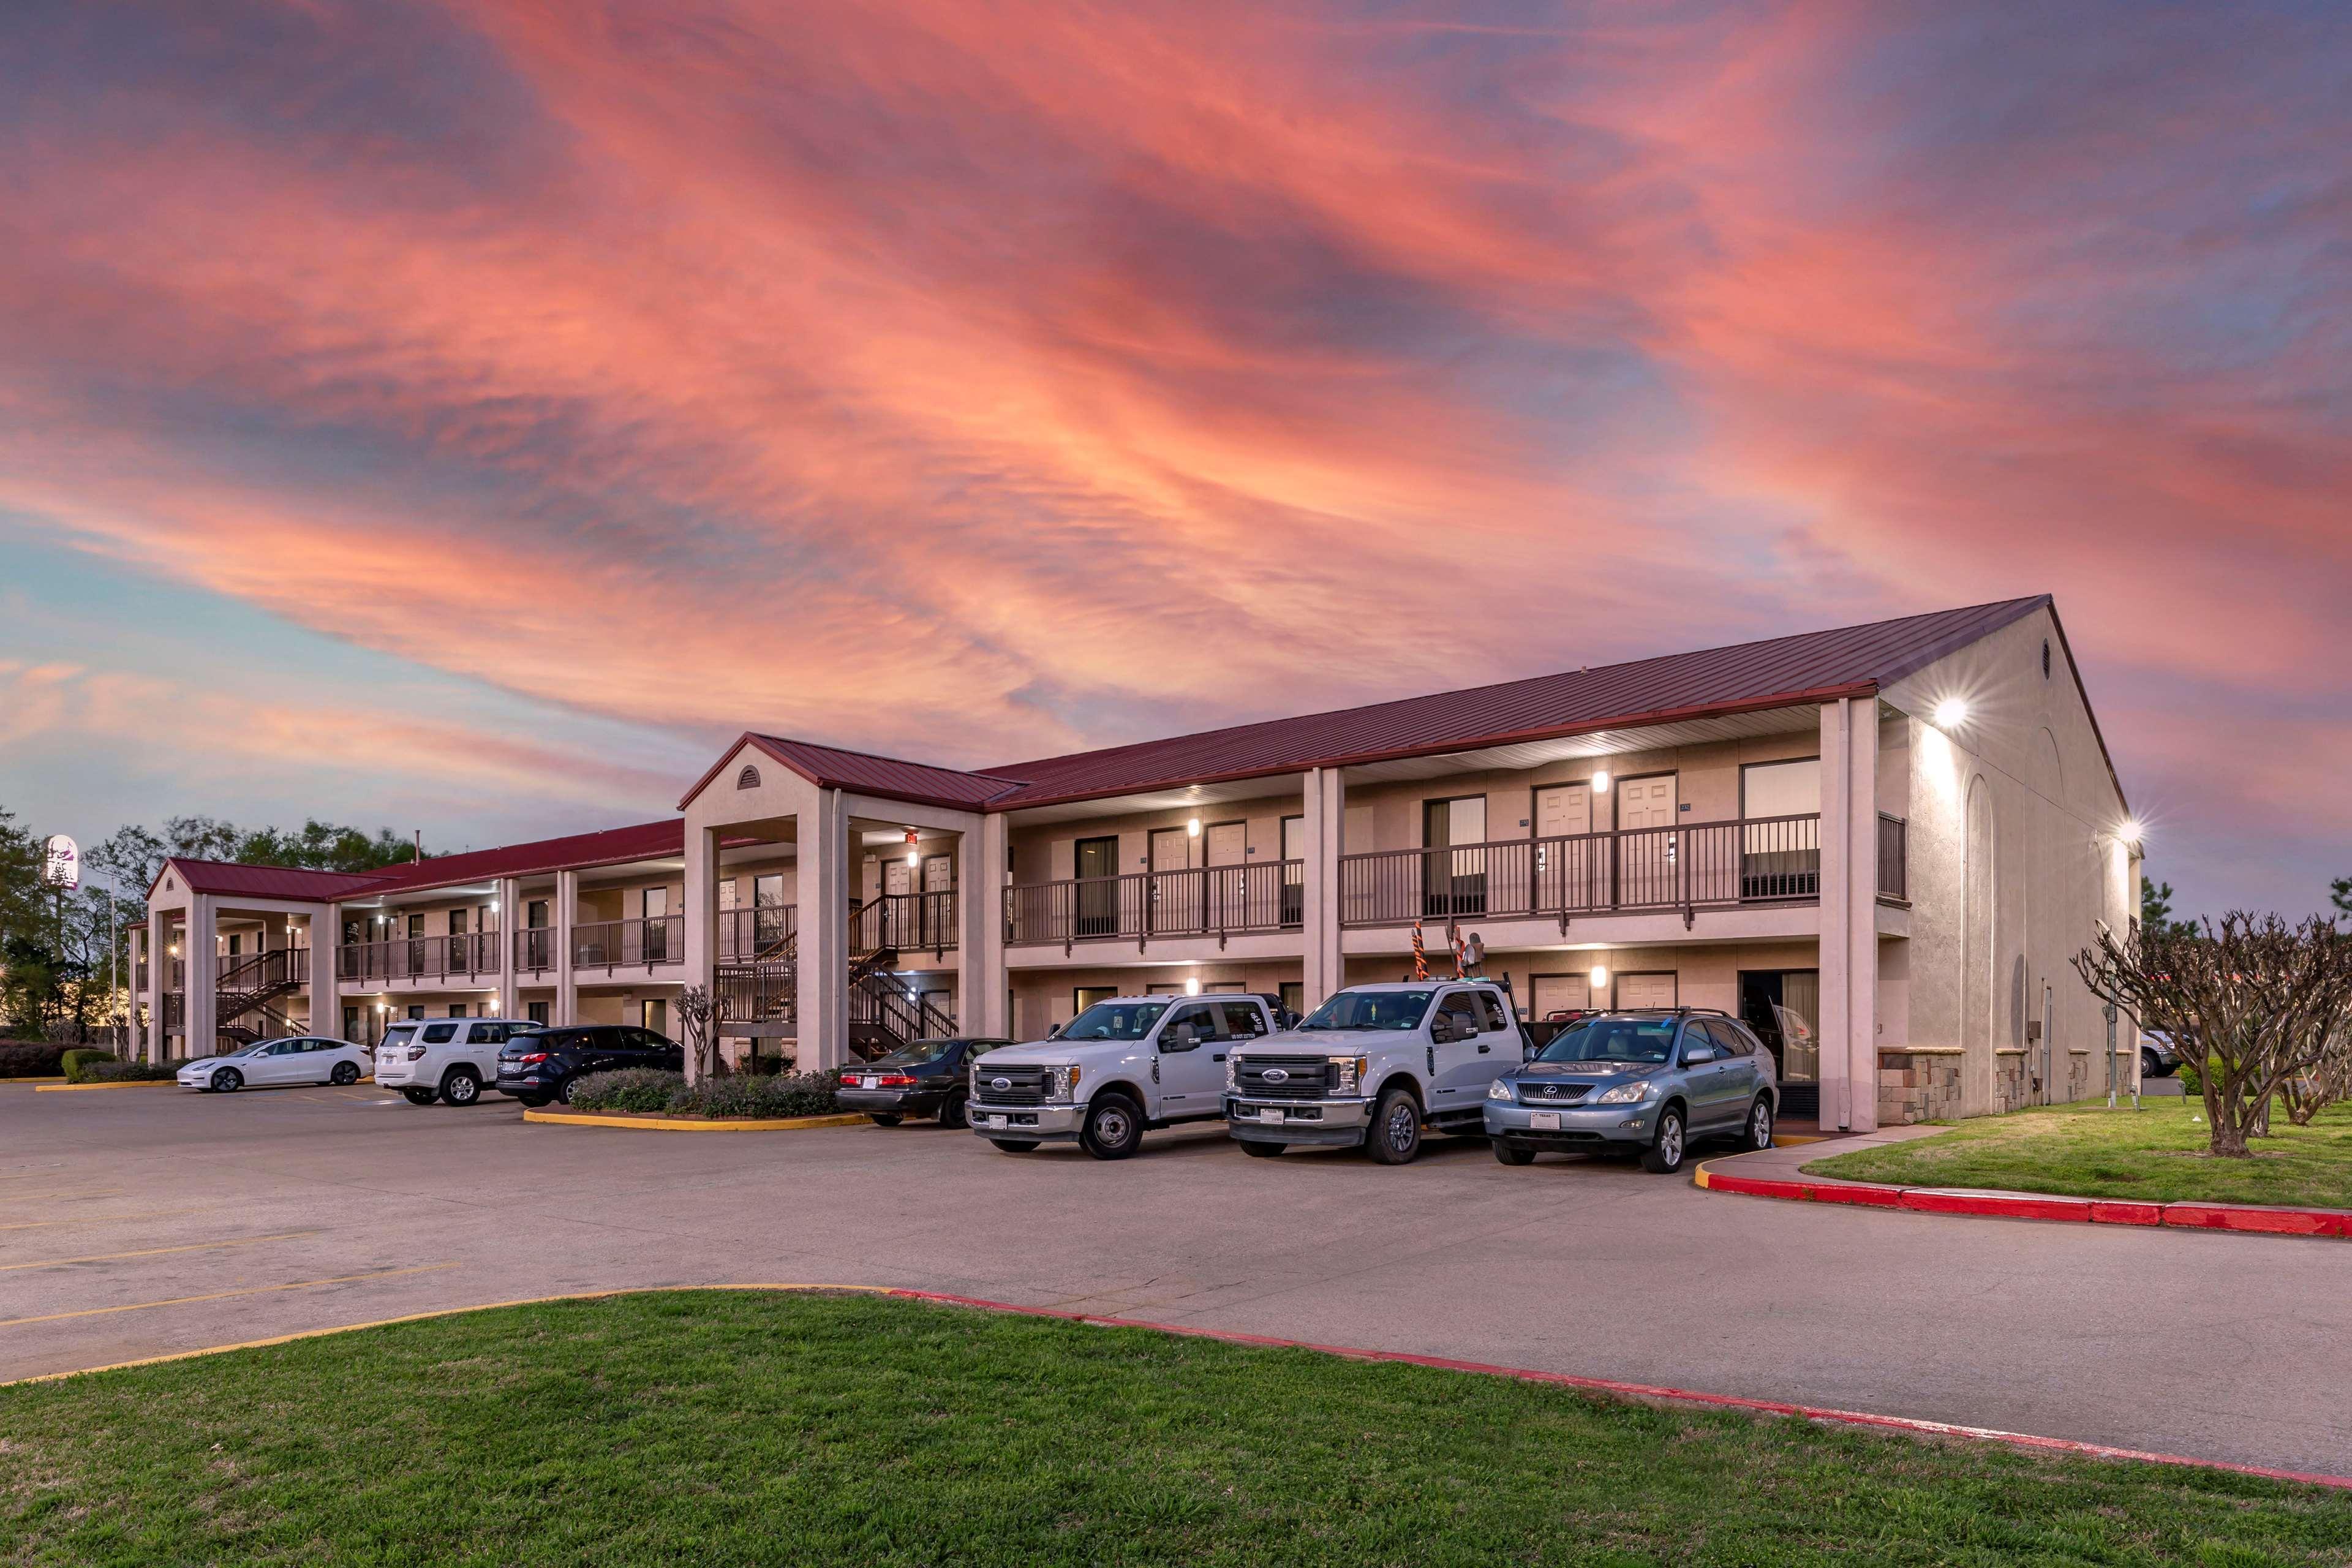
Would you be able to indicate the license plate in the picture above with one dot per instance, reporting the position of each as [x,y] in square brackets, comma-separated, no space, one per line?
[1269,1113]
[1544,1120]
[996,1121]
[865,1083]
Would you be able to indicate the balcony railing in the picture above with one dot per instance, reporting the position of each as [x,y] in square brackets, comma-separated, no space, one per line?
[1894,868]
[629,944]
[906,921]
[1768,860]
[534,951]
[1209,900]
[761,934]
[473,955]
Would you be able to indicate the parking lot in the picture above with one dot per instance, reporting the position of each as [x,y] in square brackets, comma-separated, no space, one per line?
[142,1222]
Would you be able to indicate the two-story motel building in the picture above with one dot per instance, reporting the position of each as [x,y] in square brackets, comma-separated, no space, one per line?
[1880,845]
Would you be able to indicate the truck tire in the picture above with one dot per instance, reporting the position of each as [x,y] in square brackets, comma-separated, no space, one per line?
[1394,1136]
[1663,1157]
[1260,1148]
[1015,1145]
[460,1086]
[1114,1128]
[1514,1153]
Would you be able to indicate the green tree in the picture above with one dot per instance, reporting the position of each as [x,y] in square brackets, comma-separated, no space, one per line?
[2156,909]
[2339,893]
[24,901]
[131,856]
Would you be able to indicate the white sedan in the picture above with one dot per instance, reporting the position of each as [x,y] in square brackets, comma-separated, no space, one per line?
[303,1059]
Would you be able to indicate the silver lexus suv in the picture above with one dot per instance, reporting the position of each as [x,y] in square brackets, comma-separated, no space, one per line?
[1636,1079]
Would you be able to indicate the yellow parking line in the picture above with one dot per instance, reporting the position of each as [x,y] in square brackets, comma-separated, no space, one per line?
[159,1251]
[223,1295]
[106,1218]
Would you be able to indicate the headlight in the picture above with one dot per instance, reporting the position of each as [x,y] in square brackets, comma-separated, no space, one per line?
[1066,1083]
[1350,1073]
[1625,1094]
[1233,1064]
[1500,1089]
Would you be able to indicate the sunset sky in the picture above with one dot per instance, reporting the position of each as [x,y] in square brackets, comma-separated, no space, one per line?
[468,416]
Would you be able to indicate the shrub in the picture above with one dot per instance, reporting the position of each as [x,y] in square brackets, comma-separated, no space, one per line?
[74,1057]
[29,1058]
[769,1094]
[631,1089]
[775,1095]
[106,1070]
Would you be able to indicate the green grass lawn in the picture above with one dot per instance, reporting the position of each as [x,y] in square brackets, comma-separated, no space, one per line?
[736,1428]
[2087,1150]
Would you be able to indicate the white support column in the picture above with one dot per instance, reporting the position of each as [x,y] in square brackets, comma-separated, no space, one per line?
[1862,912]
[326,998]
[980,927]
[701,924]
[567,984]
[821,1026]
[159,982]
[1325,797]
[509,927]
[1836,1053]
[199,1007]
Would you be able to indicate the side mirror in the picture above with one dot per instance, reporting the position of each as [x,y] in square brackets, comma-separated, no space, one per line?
[1054,1033]
[1443,1030]
[1698,1056]
[1528,1050]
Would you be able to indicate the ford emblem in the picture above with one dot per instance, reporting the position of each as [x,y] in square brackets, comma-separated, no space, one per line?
[1000,1083]
[1276,1075]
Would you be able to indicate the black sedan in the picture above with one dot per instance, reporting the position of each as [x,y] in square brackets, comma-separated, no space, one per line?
[929,1078]
[542,1064]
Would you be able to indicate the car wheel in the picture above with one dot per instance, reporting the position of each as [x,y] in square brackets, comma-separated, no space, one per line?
[2152,1065]
[564,1092]
[345,1074]
[1664,1155]
[461,1086]
[1260,1148]
[954,1113]
[532,1102]
[1394,1136]
[883,1117]
[1758,1135]
[1015,1145]
[228,1080]
[1514,1153]
[419,1096]
[1114,1128]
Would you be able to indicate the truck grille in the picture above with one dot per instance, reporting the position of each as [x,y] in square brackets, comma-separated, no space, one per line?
[1026,1085]
[1304,1078]
[1552,1093]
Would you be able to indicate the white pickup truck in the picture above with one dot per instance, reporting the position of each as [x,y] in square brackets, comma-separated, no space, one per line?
[443,1058]
[1117,1069]
[1372,1065]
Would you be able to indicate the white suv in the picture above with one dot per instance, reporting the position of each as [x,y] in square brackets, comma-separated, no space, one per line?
[443,1058]
[1117,1069]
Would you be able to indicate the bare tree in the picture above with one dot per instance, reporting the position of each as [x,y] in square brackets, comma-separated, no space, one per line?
[694,1016]
[2328,1081]
[2250,1003]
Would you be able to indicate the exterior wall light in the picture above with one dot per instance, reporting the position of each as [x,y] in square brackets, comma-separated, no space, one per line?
[1192,985]
[1600,781]
[914,859]
[2129,832]
[1599,977]
[1193,828]
[1951,713]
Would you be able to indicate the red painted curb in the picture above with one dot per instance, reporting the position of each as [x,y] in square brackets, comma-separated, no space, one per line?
[2247,1218]
[1904,1423]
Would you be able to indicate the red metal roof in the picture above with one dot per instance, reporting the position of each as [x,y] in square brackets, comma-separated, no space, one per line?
[1809,667]
[287,882]
[645,841]
[830,767]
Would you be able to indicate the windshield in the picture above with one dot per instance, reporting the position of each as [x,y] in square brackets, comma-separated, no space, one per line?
[1115,1021]
[1613,1040]
[1370,1010]
[917,1054]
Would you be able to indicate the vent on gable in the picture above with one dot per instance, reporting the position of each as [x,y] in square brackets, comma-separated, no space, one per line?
[2045,659]
[750,777]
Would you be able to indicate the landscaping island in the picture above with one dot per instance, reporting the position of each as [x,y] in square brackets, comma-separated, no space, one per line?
[734,1427]
[2158,1155]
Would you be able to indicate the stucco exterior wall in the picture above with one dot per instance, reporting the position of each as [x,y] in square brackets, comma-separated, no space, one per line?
[1999,907]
